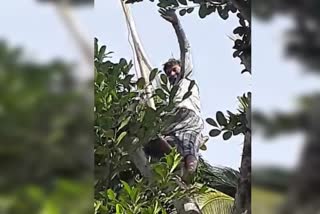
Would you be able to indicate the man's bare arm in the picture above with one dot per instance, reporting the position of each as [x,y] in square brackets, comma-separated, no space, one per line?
[185,54]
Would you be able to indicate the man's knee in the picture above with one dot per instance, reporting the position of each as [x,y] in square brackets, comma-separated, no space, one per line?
[191,163]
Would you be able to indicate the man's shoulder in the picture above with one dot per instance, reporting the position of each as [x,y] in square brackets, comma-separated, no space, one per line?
[185,83]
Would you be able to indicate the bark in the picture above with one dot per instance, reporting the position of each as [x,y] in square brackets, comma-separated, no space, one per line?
[141,162]
[304,190]
[243,196]
[246,61]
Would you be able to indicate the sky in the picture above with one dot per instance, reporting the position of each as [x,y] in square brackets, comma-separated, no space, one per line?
[275,81]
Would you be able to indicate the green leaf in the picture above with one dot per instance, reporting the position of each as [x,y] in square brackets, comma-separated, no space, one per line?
[111,194]
[214,132]
[127,80]
[182,12]
[141,83]
[164,78]
[236,53]
[124,123]
[119,209]
[173,92]
[203,11]
[161,94]
[223,13]
[176,160]
[184,2]
[175,165]
[127,188]
[165,87]
[102,52]
[221,119]
[123,62]
[101,150]
[203,147]
[212,122]
[187,95]
[240,30]
[190,9]
[227,135]
[109,133]
[95,47]
[213,201]
[121,136]
[169,160]
[159,169]
[153,74]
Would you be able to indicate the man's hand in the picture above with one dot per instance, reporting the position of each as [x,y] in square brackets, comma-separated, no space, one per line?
[169,15]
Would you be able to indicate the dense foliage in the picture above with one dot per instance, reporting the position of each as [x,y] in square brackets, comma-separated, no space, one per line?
[45,151]
[124,123]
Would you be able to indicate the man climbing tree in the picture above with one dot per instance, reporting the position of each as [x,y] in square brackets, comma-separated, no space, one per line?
[185,131]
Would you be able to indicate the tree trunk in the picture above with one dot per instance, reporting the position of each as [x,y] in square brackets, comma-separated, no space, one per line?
[243,196]
[304,190]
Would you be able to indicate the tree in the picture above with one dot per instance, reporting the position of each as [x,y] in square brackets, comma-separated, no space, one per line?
[46,146]
[304,46]
[242,47]
[243,51]
[124,123]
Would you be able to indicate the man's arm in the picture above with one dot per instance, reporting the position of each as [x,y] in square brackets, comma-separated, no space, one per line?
[185,49]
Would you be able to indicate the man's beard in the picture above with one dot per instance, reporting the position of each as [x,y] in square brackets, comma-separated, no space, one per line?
[174,79]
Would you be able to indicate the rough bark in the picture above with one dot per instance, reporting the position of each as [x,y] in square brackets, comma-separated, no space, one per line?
[243,196]
[141,162]
[304,190]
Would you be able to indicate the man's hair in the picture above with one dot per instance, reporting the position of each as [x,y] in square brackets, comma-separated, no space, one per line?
[171,62]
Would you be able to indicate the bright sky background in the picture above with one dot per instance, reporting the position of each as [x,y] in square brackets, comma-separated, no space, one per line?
[275,82]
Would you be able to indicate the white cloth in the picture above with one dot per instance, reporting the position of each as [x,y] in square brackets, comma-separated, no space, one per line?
[192,102]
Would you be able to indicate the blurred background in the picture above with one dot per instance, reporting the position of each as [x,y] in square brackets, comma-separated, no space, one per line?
[285,153]
[46,101]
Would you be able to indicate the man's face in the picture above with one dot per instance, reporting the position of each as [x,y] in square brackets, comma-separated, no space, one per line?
[173,72]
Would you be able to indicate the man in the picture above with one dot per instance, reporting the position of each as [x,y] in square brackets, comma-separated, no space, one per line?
[185,131]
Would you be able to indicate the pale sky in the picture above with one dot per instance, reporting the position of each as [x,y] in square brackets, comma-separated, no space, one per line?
[38,29]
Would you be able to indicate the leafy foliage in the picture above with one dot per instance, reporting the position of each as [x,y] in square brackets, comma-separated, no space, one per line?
[142,196]
[123,120]
[221,179]
[45,153]
[233,124]
[123,123]
[65,196]
[214,202]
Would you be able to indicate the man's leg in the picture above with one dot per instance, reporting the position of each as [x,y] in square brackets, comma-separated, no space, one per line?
[188,149]
[187,143]
[191,163]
